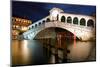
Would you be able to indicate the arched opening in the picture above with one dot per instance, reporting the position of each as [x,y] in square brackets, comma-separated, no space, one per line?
[82,22]
[75,20]
[35,25]
[57,39]
[47,20]
[39,23]
[69,19]
[90,23]
[51,32]
[43,21]
[32,26]
[63,19]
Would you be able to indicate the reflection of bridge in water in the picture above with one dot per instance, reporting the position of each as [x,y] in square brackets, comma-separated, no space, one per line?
[82,26]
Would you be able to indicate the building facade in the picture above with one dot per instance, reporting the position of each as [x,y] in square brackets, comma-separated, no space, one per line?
[19,25]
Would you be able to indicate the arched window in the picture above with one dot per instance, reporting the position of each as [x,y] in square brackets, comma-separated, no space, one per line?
[32,26]
[75,20]
[63,19]
[69,19]
[39,23]
[35,25]
[48,20]
[43,21]
[82,22]
[90,23]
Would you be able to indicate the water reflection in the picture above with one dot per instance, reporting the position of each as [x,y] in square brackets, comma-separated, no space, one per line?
[25,52]
[81,51]
[20,53]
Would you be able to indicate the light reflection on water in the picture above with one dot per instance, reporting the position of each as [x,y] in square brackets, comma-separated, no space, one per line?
[32,52]
[81,51]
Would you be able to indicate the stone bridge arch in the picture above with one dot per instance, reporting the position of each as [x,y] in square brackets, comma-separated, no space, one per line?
[81,33]
[51,30]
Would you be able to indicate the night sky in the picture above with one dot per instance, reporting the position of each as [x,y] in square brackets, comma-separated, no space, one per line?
[37,10]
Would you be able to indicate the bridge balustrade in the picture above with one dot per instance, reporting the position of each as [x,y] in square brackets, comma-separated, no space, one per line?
[75,23]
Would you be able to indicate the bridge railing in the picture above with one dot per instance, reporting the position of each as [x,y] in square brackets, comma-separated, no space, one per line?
[54,24]
[39,21]
[42,26]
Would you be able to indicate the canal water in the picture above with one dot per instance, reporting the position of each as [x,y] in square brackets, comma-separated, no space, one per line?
[45,51]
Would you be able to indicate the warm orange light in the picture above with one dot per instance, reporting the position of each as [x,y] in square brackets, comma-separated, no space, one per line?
[15,32]
[24,28]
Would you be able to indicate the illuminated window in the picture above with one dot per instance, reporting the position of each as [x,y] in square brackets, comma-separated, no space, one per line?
[75,20]
[83,22]
[17,26]
[90,23]
[14,26]
[19,20]
[28,22]
[63,19]
[16,19]
[69,19]
[24,28]
[24,20]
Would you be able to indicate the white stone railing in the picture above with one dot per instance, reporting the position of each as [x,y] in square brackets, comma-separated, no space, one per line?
[32,32]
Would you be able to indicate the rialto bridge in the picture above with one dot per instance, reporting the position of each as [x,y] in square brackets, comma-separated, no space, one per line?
[82,26]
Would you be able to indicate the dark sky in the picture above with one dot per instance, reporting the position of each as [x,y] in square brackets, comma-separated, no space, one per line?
[37,10]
